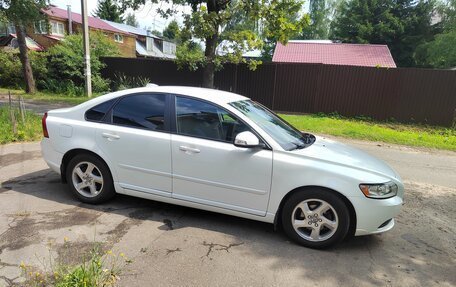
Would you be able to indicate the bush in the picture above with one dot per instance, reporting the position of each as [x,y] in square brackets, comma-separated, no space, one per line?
[122,81]
[10,69]
[61,68]
[66,63]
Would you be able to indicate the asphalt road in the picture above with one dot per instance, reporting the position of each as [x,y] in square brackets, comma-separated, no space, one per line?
[172,245]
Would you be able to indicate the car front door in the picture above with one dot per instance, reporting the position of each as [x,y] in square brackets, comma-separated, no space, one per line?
[136,139]
[208,168]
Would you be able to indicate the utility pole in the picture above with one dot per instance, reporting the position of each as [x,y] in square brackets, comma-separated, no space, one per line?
[85,33]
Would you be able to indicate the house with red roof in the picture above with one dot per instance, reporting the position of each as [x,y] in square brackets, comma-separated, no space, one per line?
[58,22]
[325,52]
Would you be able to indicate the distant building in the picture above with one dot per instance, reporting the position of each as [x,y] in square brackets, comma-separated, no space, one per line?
[52,30]
[8,39]
[147,44]
[326,52]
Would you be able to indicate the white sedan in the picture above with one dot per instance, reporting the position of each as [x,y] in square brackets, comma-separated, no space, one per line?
[220,152]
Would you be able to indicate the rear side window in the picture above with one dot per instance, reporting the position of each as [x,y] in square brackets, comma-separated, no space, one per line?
[146,111]
[97,113]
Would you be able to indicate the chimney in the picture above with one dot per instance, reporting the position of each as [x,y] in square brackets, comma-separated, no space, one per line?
[70,21]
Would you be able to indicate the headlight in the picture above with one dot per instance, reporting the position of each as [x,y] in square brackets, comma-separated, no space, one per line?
[382,190]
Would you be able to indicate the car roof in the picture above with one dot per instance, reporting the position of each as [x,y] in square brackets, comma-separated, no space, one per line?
[212,95]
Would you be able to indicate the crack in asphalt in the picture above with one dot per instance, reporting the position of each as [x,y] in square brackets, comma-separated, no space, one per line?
[218,247]
[169,251]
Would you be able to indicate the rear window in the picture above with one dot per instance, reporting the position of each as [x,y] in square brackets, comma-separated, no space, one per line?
[98,112]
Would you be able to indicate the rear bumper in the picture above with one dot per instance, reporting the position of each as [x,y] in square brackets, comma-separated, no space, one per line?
[375,215]
[51,156]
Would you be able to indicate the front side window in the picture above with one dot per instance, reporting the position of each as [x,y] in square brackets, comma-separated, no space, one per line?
[283,133]
[146,111]
[201,119]
[57,28]
[41,27]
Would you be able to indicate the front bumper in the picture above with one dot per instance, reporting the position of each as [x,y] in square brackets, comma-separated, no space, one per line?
[371,214]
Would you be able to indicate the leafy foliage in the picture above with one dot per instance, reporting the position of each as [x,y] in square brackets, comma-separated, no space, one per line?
[131,20]
[109,10]
[122,81]
[21,12]
[208,19]
[319,20]
[10,69]
[61,69]
[440,52]
[66,63]
[27,130]
[402,25]
[171,32]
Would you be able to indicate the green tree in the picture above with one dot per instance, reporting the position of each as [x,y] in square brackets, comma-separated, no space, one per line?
[171,32]
[23,13]
[109,10]
[319,12]
[208,19]
[440,52]
[401,24]
[131,20]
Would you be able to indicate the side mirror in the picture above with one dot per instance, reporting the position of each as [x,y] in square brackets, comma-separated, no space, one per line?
[247,140]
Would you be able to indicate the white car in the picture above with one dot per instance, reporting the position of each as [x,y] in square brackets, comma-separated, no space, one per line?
[220,152]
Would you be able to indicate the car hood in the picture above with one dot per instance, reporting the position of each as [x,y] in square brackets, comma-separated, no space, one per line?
[341,154]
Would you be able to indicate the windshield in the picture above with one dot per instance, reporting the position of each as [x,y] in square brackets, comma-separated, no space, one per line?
[283,133]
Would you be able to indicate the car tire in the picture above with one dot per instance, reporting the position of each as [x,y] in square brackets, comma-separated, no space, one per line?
[90,179]
[315,218]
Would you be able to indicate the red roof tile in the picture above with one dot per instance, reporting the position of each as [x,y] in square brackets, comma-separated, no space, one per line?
[334,54]
[93,22]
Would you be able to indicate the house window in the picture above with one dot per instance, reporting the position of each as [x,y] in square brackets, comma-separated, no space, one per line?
[169,48]
[149,44]
[57,28]
[41,27]
[118,38]
[7,28]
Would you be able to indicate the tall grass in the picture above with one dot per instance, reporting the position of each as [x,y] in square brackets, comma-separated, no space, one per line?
[27,130]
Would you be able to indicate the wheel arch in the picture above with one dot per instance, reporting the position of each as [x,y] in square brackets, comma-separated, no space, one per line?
[71,154]
[351,209]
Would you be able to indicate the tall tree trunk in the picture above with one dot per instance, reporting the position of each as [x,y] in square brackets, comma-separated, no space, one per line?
[26,68]
[209,68]
[211,45]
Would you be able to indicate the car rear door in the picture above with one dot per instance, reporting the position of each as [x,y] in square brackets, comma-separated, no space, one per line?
[208,168]
[135,136]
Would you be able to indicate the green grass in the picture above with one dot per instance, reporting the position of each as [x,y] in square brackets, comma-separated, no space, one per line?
[29,130]
[410,135]
[46,96]
[95,269]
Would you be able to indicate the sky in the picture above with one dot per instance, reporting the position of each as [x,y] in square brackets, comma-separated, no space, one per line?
[147,15]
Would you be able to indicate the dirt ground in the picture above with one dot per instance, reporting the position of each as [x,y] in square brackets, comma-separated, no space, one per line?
[172,245]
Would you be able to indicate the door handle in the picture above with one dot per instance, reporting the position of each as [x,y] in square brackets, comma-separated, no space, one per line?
[189,150]
[110,136]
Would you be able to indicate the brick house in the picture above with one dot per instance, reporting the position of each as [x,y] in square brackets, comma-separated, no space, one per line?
[50,31]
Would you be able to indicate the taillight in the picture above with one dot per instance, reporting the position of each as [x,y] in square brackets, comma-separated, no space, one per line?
[43,123]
